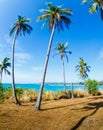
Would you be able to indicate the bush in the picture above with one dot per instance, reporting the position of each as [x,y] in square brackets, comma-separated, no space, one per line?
[8,93]
[58,95]
[79,93]
[48,95]
[29,95]
[92,86]
[1,93]
[19,92]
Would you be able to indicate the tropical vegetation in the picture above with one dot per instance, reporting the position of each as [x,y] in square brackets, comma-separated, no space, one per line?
[30,95]
[92,86]
[95,5]
[61,49]
[4,67]
[54,16]
[21,26]
[82,68]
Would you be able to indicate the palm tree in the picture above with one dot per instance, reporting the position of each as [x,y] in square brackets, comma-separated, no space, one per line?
[95,5]
[4,67]
[62,50]
[54,16]
[83,69]
[19,27]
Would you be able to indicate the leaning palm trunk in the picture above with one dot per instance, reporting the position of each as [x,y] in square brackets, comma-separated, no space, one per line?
[64,77]
[85,91]
[1,76]
[13,79]
[38,103]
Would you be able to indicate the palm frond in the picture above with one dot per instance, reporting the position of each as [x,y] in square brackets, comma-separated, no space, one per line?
[42,17]
[66,11]
[6,71]
[55,54]
[94,7]
[66,20]
[49,4]
[21,26]
[61,49]
[86,1]
[54,14]
[12,30]
[101,13]
[69,52]
[66,57]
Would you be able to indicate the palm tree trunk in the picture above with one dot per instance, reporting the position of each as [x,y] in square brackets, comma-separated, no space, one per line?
[13,79]
[64,77]
[1,76]
[72,96]
[85,91]
[38,103]
[102,4]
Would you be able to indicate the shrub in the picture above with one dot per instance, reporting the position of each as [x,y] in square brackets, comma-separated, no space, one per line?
[29,95]
[8,93]
[62,94]
[79,93]
[1,93]
[19,92]
[92,86]
[48,95]
[69,93]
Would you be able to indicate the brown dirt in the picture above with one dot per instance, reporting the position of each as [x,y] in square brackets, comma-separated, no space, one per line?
[66,114]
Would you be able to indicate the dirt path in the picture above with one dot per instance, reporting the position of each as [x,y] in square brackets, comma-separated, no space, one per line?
[66,114]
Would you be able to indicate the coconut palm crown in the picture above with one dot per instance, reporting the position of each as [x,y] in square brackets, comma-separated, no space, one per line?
[83,69]
[4,67]
[61,48]
[95,5]
[21,26]
[54,14]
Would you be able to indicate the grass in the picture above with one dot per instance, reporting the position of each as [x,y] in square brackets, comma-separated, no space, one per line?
[66,114]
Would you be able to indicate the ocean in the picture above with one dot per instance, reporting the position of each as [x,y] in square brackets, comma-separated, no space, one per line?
[48,87]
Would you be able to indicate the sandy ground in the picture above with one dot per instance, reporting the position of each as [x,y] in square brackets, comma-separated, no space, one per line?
[65,114]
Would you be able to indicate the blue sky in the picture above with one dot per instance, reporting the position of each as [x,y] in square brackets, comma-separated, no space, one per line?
[84,37]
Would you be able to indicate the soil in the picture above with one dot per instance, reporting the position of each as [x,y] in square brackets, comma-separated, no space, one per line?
[65,114]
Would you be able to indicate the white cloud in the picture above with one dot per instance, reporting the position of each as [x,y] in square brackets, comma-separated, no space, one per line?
[22,55]
[22,58]
[7,39]
[37,68]
[1,45]
[100,57]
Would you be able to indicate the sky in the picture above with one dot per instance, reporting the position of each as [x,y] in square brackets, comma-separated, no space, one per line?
[84,37]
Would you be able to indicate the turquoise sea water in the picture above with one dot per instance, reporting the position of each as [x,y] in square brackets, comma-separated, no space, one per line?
[48,87]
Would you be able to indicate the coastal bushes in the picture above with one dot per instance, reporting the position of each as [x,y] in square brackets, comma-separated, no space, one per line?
[29,95]
[1,93]
[8,93]
[92,86]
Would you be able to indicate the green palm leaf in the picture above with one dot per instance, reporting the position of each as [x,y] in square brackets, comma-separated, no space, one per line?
[95,5]
[54,14]
[93,8]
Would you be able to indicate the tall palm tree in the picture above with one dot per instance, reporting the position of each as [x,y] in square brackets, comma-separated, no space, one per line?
[62,50]
[83,69]
[54,16]
[95,5]
[4,67]
[21,26]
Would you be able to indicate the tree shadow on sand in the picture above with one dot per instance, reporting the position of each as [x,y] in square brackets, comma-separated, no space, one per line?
[95,106]
[62,106]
